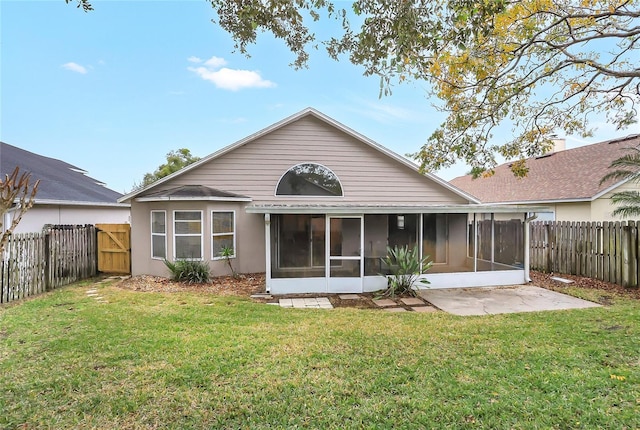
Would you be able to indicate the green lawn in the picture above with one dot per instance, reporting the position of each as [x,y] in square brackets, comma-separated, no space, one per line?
[150,360]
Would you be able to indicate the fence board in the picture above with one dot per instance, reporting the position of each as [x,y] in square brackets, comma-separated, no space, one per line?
[33,263]
[602,250]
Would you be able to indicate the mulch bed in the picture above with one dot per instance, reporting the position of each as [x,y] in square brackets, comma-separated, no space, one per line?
[608,289]
[251,284]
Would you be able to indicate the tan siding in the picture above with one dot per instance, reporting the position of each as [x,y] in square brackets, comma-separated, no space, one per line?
[367,175]
[250,257]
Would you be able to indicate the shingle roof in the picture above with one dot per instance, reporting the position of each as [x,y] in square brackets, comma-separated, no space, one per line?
[195,191]
[573,174]
[59,181]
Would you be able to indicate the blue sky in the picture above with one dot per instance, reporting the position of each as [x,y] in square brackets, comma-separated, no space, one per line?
[112,91]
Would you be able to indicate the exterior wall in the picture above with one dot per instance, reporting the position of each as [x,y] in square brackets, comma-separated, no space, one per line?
[249,229]
[39,215]
[367,176]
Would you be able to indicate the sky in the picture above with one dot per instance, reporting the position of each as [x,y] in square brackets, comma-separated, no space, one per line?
[114,90]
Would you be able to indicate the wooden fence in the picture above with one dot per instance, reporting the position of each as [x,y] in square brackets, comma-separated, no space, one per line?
[37,262]
[602,250]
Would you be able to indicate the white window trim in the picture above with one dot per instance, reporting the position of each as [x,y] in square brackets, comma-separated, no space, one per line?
[189,235]
[235,250]
[159,234]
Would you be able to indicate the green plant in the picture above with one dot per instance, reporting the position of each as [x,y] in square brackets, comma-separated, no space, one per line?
[227,252]
[189,271]
[406,267]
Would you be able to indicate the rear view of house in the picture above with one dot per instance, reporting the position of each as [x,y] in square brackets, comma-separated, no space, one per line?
[314,205]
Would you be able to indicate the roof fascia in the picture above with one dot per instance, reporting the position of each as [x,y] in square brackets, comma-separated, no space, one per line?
[79,203]
[195,198]
[609,189]
[469,209]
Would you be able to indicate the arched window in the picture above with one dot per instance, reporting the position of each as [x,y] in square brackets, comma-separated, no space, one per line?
[309,179]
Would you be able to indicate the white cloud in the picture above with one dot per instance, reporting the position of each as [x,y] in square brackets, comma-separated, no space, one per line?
[229,79]
[193,59]
[75,67]
[215,62]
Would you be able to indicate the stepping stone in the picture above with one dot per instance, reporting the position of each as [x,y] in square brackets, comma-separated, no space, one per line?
[563,280]
[424,309]
[298,303]
[262,296]
[385,303]
[286,303]
[412,301]
[327,306]
[323,301]
[274,304]
[311,302]
[395,310]
[349,297]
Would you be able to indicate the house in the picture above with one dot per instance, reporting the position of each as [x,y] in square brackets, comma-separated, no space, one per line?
[567,181]
[314,205]
[66,195]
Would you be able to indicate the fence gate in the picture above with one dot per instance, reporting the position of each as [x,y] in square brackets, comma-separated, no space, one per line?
[114,248]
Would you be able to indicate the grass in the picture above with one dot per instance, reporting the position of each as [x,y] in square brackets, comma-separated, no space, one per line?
[151,360]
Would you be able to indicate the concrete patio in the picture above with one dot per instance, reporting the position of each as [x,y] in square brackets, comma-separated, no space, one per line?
[501,300]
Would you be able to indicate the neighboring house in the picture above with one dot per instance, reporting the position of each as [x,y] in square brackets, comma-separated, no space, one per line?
[314,205]
[567,181]
[66,195]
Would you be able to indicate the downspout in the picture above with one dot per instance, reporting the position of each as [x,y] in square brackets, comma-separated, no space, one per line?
[527,220]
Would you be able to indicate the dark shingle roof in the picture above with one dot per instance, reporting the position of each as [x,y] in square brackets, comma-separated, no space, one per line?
[573,174]
[59,181]
[194,191]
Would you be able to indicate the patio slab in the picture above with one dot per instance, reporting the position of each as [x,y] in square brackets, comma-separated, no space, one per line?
[385,303]
[412,301]
[501,300]
[349,297]
[306,303]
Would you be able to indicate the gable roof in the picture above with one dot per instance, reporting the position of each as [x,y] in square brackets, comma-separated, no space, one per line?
[60,182]
[569,175]
[289,120]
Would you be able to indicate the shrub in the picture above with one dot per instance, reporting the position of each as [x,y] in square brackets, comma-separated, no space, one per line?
[405,266]
[189,271]
[227,252]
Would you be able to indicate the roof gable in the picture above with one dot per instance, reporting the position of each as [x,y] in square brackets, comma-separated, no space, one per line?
[60,182]
[283,124]
[569,175]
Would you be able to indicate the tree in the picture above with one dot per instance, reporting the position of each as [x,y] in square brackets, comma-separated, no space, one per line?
[176,160]
[626,167]
[82,4]
[17,193]
[537,66]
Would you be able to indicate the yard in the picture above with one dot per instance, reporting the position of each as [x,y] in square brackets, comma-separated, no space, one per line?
[143,360]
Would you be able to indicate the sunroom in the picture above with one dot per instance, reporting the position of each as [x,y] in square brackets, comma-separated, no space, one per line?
[338,249]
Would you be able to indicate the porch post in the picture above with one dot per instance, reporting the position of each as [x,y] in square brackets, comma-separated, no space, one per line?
[475,243]
[267,251]
[527,220]
[493,239]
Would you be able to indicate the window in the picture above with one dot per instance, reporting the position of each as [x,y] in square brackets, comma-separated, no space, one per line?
[159,234]
[187,235]
[223,232]
[309,179]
